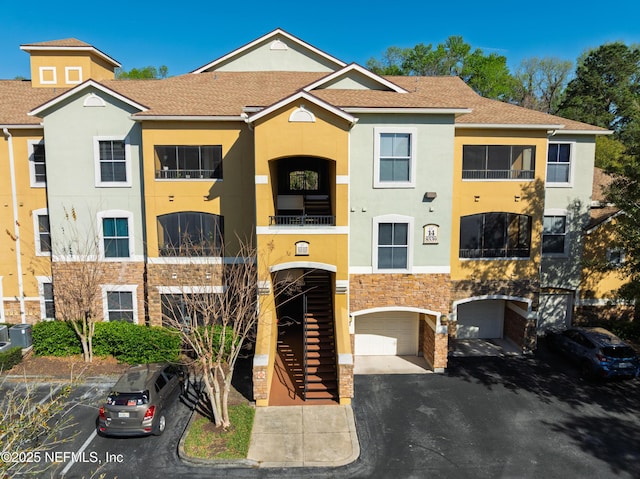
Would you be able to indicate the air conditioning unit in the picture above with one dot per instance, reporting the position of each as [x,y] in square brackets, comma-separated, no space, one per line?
[21,335]
[5,346]
[4,334]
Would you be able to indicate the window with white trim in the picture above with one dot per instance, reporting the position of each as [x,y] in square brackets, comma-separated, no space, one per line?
[49,307]
[45,292]
[73,75]
[615,257]
[48,75]
[116,234]
[554,235]
[120,303]
[559,160]
[392,236]
[37,169]
[112,161]
[42,232]
[395,154]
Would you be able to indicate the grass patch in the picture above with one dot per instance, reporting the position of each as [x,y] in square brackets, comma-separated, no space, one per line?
[205,441]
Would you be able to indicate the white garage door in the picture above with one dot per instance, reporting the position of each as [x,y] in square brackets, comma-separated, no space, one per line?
[387,334]
[480,319]
[555,311]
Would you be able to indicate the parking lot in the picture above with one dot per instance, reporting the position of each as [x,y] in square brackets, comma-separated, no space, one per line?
[499,417]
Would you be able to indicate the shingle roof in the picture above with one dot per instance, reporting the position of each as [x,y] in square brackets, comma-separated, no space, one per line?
[17,97]
[228,93]
[66,42]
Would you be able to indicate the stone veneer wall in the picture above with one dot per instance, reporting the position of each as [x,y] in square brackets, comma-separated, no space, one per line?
[186,275]
[345,381]
[520,330]
[32,311]
[113,273]
[428,291]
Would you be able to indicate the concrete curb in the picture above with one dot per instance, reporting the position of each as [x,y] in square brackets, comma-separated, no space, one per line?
[215,463]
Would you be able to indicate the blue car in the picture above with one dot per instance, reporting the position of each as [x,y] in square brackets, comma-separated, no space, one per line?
[598,352]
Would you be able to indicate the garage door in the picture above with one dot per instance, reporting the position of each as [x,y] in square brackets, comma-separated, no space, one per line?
[480,319]
[555,311]
[387,334]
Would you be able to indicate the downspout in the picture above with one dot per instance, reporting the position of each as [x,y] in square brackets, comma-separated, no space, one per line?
[16,224]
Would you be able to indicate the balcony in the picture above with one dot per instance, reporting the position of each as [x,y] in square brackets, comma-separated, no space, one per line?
[303,210]
[302,220]
[167,174]
[498,174]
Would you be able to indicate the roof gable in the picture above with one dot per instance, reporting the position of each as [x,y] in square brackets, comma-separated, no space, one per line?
[275,51]
[308,98]
[84,86]
[354,77]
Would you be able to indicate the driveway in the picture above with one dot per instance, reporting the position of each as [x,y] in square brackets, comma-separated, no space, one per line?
[495,417]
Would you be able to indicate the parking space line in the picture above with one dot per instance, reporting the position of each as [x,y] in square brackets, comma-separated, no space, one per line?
[78,453]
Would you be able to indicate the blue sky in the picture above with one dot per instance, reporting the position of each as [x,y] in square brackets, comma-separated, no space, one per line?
[188,34]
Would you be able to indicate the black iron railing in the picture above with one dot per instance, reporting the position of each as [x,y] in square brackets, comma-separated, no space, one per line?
[186,174]
[302,220]
[498,174]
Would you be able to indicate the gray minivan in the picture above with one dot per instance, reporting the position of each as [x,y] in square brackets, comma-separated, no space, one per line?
[137,403]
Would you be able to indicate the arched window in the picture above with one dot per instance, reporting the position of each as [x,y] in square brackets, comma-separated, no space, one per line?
[190,233]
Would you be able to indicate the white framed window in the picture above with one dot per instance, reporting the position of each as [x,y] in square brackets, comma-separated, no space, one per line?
[615,257]
[116,234]
[42,232]
[47,304]
[48,75]
[395,153]
[120,302]
[73,75]
[555,237]
[560,164]
[37,169]
[112,158]
[392,243]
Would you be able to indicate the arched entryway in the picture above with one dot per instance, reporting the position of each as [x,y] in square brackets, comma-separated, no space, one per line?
[305,361]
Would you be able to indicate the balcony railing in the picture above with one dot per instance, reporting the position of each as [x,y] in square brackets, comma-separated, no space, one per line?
[498,174]
[302,220]
[185,174]
[495,253]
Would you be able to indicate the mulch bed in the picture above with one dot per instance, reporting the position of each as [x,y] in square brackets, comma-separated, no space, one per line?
[66,367]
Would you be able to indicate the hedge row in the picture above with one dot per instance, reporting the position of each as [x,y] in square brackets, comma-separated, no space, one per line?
[10,358]
[127,342]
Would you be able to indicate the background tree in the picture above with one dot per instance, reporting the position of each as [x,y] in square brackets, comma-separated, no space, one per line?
[148,73]
[541,83]
[606,92]
[78,273]
[624,192]
[486,74]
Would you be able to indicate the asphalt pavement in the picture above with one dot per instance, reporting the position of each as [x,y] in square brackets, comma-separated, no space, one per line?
[500,417]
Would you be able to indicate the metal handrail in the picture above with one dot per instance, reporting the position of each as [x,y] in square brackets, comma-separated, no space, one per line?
[498,174]
[181,174]
[304,346]
[302,220]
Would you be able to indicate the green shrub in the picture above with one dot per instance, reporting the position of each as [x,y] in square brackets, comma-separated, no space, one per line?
[10,358]
[127,342]
[133,344]
[55,338]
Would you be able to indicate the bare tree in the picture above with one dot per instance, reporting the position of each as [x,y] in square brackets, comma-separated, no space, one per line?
[31,426]
[218,321]
[78,273]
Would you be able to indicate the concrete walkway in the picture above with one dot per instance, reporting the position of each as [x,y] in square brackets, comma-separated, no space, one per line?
[304,436]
